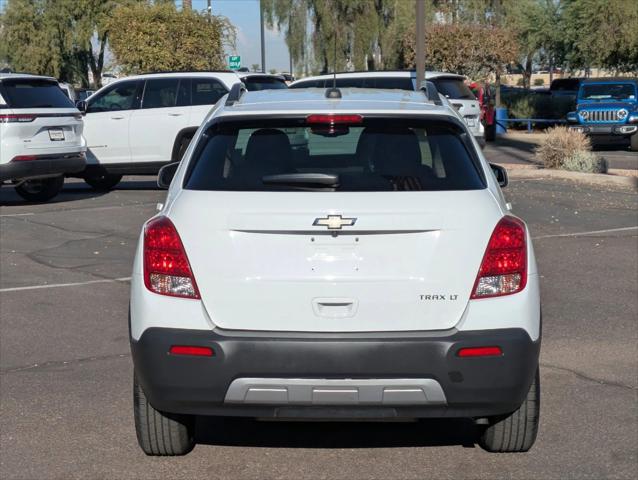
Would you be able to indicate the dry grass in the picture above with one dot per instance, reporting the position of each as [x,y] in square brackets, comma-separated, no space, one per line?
[566,149]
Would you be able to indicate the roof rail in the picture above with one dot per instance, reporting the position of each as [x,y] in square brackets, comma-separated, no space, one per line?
[185,71]
[235,94]
[431,93]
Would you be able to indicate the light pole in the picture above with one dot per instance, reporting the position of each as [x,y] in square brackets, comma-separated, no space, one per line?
[263,45]
[420,42]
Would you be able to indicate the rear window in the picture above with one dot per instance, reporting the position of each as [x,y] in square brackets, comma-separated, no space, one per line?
[453,88]
[398,83]
[308,84]
[21,93]
[263,83]
[206,91]
[410,155]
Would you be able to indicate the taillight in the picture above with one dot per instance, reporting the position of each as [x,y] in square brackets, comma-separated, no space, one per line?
[24,158]
[16,118]
[319,119]
[504,267]
[166,267]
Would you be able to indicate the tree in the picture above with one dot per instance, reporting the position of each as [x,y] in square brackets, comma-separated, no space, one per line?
[290,16]
[25,40]
[537,29]
[601,33]
[157,37]
[55,37]
[255,67]
[468,49]
[368,33]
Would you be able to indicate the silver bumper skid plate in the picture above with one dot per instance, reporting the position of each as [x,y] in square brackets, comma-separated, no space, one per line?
[314,391]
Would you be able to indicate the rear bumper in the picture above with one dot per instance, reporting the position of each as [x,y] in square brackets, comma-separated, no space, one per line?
[43,165]
[301,368]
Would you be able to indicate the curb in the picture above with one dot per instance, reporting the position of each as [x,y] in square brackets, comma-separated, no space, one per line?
[615,178]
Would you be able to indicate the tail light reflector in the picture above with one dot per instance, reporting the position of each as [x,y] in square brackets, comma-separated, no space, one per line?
[166,267]
[24,158]
[16,118]
[191,350]
[480,352]
[504,267]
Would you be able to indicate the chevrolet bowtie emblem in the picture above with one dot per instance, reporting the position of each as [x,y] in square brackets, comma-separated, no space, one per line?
[334,222]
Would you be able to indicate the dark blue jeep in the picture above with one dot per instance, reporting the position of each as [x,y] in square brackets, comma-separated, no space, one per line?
[607,110]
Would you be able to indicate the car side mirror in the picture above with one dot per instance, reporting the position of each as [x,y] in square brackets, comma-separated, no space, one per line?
[81,105]
[501,174]
[166,174]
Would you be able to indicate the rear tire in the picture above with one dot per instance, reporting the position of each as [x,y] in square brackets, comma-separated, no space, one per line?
[103,182]
[634,142]
[159,433]
[40,190]
[517,431]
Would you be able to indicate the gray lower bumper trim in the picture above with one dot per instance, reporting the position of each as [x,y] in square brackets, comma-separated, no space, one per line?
[317,391]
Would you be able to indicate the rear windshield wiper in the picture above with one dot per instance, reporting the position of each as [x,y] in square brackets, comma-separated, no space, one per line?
[303,180]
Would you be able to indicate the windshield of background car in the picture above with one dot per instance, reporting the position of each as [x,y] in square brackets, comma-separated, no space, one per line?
[264,83]
[608,91]
[34,93]
[564,84]
[377,154]
[453,88]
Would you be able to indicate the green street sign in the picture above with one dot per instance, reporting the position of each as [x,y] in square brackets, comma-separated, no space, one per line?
[234,62]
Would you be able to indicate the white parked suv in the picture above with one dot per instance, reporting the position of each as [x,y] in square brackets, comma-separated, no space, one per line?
[451,85]
[136,125]
[40,136]
[334,255]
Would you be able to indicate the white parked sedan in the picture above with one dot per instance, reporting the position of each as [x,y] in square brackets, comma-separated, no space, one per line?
[334,255]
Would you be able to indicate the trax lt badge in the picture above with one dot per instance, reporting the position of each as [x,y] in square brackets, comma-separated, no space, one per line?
[334,222]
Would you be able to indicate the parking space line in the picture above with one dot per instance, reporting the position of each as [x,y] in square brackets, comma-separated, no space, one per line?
[582,234]
[60,285]
[17,214]
[101,207]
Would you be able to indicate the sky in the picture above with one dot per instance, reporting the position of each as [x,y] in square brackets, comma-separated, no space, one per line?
[244,14]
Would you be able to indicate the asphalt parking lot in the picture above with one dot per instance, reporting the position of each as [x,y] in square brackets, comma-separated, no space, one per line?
[66,372]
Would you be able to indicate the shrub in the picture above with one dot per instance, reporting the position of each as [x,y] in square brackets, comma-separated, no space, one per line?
[538,82]
[588,162]
[522,106]
[566,149]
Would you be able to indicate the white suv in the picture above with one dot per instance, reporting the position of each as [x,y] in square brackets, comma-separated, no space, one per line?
[136,125]
[342,254]
[450,85]
[40,136]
